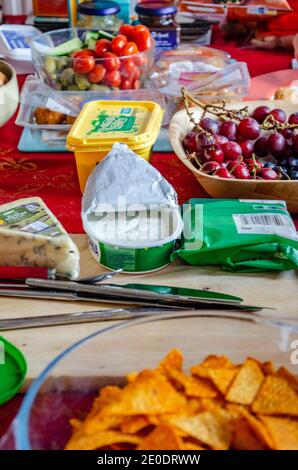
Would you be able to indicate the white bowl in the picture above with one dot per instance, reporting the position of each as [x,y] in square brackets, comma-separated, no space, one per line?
[9,93]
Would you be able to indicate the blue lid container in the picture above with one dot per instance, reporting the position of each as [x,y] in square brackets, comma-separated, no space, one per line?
[156,9]
[99,8]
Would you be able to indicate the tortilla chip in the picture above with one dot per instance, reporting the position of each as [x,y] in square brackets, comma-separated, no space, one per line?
[193,387]
[256,426]
[267,368]
[276,397]
[163,437]
[222,378]
[284,431]
[150,393]
[244,438]
[106,395]
[208,427]
[290,378]
[211,362]
[191,446]
[100,439]
[173,360]
[246,383]
[134,424]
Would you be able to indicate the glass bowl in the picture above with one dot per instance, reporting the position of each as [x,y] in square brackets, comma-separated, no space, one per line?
[58,72]
[67,387]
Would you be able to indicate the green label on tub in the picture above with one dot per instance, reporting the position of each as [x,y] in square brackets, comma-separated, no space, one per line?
[118,257]
[108,123]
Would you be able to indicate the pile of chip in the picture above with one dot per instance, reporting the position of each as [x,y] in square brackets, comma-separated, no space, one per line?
[218,406]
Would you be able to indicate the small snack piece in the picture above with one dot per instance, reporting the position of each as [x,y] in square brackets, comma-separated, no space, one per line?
[287,93]
[48,117]
[3,79]
[155,410]
[284,431]
[246,383]
[276,396]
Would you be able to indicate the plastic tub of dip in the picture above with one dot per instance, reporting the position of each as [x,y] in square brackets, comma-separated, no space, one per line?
[100,124]
[135,243]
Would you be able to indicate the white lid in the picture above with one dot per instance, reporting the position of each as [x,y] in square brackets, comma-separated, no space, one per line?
[15,41]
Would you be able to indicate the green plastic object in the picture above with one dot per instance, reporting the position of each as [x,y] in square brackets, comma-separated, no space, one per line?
[239,235]
[13,369]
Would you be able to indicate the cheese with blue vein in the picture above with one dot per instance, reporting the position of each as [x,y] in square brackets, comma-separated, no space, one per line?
[30,235]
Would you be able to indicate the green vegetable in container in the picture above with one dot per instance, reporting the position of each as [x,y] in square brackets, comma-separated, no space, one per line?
[82,81]
[67,77]
[239,235]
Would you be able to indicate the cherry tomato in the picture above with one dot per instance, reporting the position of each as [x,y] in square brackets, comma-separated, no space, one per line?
[140,60]
[102,46]
[143,40]
[126,30]
[111,62]
[83,64]
[83,53]
[128,67]
[136,74]
[130,48]
[97,74]
[136,84]
[118,44]
[125,84]
[113,78]
[138,29]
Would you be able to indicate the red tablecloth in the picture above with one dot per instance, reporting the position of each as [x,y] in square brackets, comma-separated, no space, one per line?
[53,176]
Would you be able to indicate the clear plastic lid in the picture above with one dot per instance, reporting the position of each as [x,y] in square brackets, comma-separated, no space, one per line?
[15,41]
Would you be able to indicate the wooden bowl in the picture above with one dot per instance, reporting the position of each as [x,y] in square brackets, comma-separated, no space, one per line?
[285,190]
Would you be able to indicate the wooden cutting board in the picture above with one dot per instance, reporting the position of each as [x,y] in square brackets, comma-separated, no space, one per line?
[40,346]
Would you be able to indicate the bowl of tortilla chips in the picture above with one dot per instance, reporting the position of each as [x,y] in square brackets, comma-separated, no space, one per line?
[175,382]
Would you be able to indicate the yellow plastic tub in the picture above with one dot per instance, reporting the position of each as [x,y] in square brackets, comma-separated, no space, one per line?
[102,123]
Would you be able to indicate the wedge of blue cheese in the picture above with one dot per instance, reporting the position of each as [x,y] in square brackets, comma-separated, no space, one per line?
[30,235]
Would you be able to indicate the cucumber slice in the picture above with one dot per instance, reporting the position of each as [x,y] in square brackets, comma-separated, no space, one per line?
[66,48]
[105,35]
[91,35]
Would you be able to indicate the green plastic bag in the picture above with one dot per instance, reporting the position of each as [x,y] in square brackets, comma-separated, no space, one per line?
[239,235]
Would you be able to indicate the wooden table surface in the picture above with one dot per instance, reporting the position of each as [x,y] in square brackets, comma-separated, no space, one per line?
[277,290]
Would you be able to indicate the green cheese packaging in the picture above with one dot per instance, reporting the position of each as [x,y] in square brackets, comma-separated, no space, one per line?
[239,235]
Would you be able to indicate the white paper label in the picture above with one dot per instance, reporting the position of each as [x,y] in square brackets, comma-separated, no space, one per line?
[266,224]
[54,106]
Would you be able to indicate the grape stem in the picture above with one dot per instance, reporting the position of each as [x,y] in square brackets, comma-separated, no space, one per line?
[271,123]
[218,110]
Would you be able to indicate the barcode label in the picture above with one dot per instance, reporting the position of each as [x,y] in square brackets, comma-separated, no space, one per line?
[267,224]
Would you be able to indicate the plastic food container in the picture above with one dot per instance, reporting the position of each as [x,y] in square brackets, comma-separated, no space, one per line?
[15,46]
[68,385]
[57,71]
[99,15]
[9,93]
[100,124]
[134,257]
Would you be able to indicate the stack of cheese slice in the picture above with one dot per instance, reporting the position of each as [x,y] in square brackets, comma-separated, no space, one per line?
[30,235]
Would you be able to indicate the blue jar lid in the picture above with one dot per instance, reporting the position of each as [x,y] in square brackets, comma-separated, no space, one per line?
[99,8]
[156,8]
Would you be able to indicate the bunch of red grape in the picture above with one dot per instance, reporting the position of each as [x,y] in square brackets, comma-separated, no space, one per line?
[261,146]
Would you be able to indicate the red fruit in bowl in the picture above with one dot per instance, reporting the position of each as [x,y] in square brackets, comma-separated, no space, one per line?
[249,128]
[204,140]
[210,167]
[296,143]
[293,119]
[190,142]
[279,115]
[260,113]
[221,139]
[260,146]
[223,173]
[209,125]
[229,130]
[254,165]
[214,153]
[268,174]
[247,148]
[231,150]
[276,144]
[241,172]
